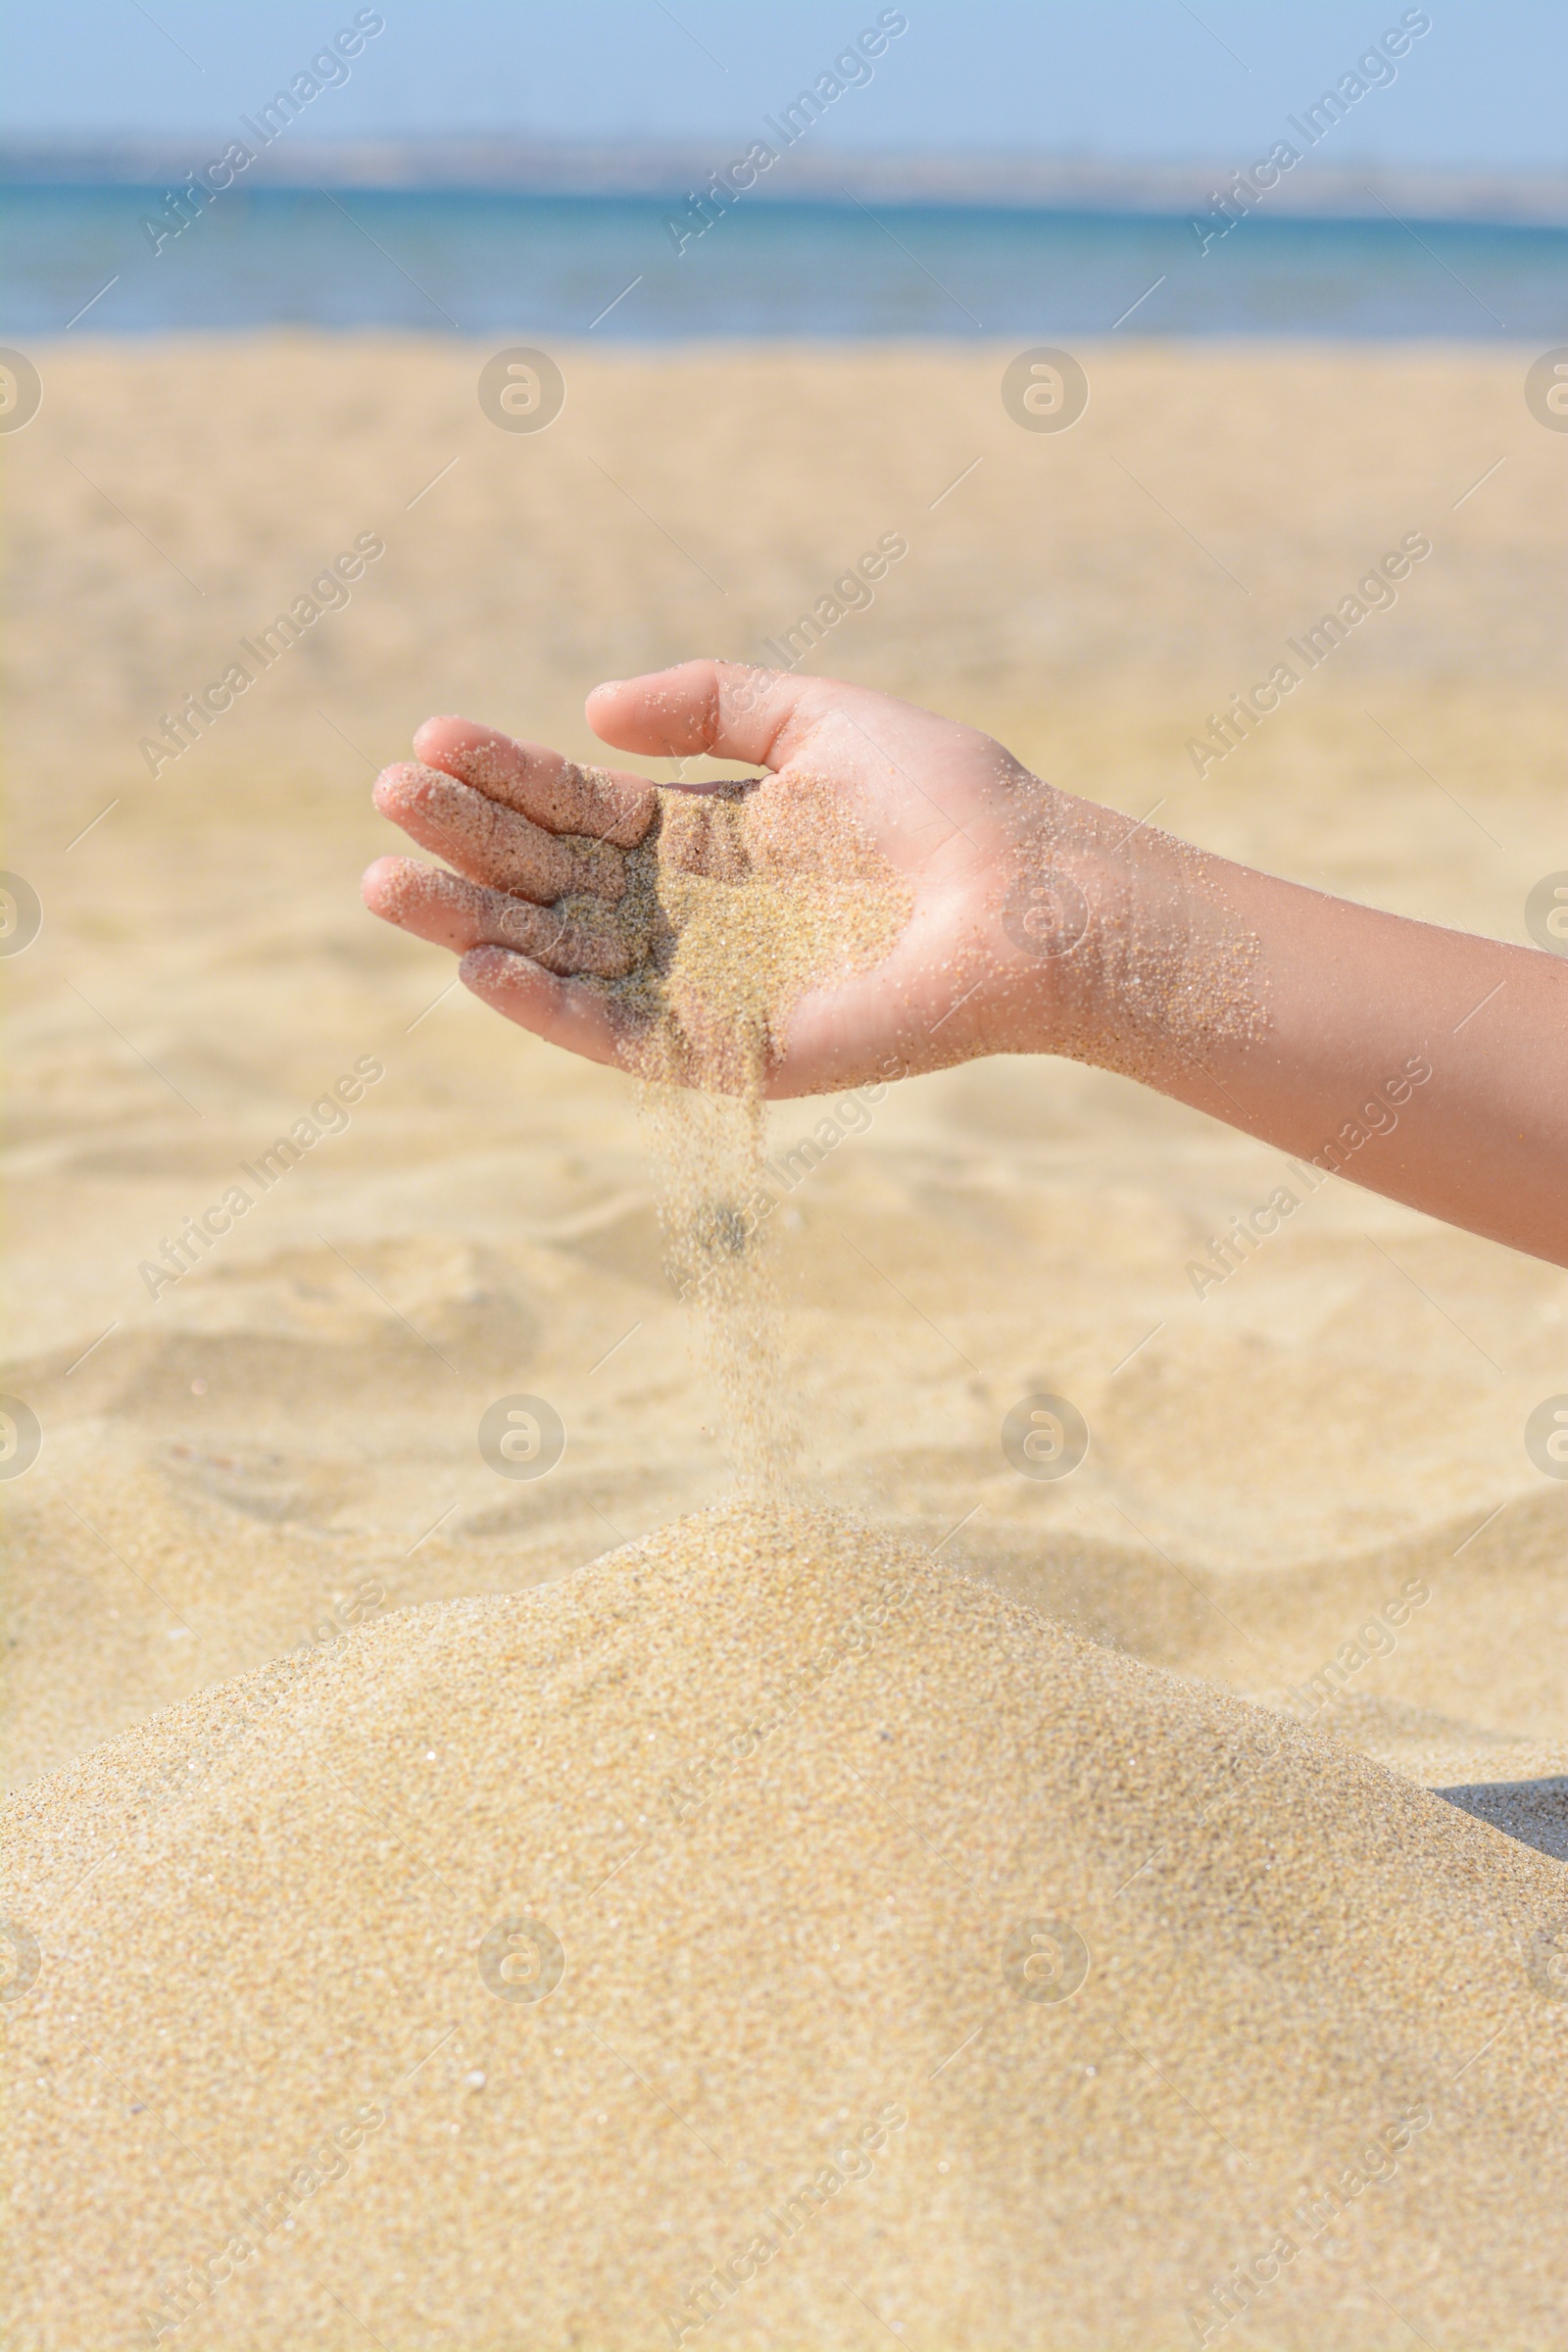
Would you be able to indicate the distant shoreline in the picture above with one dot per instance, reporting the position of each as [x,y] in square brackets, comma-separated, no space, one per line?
[1020,183]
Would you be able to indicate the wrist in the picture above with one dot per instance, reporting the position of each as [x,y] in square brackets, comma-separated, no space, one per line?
[1121,948]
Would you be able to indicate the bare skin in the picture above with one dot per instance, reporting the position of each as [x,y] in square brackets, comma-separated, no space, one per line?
[1038,919]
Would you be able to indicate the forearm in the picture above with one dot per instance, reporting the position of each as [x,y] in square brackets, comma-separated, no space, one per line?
[1423,1063]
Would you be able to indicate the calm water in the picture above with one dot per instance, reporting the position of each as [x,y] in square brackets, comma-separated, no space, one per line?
[482,264]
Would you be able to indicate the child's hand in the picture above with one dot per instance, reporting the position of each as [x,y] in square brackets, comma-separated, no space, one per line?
[1418,1061]
[952,813]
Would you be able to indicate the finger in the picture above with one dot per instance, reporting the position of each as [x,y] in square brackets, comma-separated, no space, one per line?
[580,935]
[493,844]
[726,708]
[564,1012]
[539,783]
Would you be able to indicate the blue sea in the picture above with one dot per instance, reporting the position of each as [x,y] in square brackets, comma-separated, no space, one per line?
[78,259]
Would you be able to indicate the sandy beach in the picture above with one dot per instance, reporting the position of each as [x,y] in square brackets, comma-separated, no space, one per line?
[251,1473]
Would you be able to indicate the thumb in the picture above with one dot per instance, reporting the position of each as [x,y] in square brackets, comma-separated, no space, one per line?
[726,708]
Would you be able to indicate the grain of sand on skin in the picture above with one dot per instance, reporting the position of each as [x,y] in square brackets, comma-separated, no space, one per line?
[787,1796]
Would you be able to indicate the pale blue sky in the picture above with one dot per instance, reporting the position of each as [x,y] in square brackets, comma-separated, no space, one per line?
[1139,79]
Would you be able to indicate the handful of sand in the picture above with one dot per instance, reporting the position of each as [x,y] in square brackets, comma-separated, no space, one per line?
[740,900]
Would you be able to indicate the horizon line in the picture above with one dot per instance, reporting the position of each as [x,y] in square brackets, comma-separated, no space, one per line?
[1010,180]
